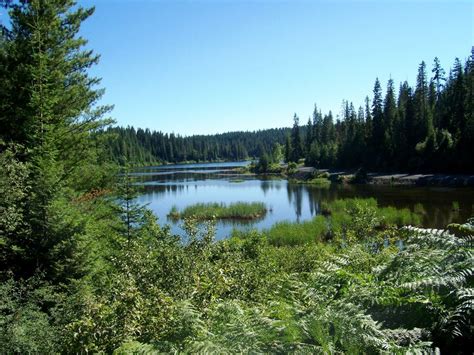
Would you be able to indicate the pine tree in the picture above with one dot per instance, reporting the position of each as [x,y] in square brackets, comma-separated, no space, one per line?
[423,119]
[297,149]
[317,124]
[438,76]
[308,136]
[378,134]
[390,121]
[131,213]
[288,149]
[55,101]
[403,132]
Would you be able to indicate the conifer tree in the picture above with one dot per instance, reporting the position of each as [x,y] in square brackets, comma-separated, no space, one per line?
[422,114]
[390,121]
[53,117]
[296,146]
[438,76]
[378,120]
[317,124]
[288,149]
[308,136]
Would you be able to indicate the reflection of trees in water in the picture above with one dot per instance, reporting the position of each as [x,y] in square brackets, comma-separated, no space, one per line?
[295,196]
[437,202]
[317,195]
[176,176]
[441,216]
[265,185]
[158,190]
[269,184]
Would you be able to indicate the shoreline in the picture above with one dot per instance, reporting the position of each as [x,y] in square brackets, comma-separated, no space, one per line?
[394,179]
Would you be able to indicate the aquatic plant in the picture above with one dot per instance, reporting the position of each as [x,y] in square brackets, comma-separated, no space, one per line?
[206,211]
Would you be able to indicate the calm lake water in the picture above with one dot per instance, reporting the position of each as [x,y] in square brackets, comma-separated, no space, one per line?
[187,184]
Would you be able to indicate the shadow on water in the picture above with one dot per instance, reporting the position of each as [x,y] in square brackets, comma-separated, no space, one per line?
[181,186]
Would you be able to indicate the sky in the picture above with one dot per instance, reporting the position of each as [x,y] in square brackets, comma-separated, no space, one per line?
[213,66]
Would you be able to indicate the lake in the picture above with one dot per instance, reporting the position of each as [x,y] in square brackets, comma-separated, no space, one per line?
[186,184]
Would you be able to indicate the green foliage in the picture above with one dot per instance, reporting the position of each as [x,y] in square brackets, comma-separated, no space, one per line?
[292,168]
[286,233]
[208,211]
[263,164]
[317,181]
[341,211]
[85,269]
[14,189]
[24,325]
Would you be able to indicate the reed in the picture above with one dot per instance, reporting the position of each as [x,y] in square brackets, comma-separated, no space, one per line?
[207,211]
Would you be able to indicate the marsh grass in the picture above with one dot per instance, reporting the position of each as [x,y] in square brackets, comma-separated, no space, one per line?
[337,218]
[317,181]
[236,181]
[206,211]
[289,233]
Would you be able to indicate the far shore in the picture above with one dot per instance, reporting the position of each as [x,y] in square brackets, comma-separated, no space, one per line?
[447,180]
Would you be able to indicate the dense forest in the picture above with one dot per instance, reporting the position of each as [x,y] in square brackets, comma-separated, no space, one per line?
[144,146]
[429,127]
[84,269]
[426,128]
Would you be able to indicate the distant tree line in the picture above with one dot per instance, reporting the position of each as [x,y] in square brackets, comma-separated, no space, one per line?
[429,127]
[145,146]
[426,128]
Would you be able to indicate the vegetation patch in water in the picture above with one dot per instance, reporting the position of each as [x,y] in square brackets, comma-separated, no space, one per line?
[317,181]
[337,218]
[341,212]
[236,181]
[288,233]
[206,211]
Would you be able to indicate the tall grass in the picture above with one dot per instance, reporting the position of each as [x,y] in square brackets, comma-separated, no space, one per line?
[360,215]
[206,211]
[317,181]
[288,233]
[341,212]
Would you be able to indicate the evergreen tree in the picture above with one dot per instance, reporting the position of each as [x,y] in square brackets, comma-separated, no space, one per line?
[308,136]
[422,114]
[296,146]
[288,149]
[131,213]
[378,132]
[390,121]
[438,76]
[55,104]
[317,124]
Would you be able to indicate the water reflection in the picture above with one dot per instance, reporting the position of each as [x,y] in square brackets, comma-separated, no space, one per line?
[164,187]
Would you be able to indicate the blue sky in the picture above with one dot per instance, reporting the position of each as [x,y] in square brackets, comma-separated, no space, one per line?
[209,66]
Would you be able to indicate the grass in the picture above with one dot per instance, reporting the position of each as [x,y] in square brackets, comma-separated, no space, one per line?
[236,181]
[317,181]
[320,179]
[337,217]
[206,211]
[342,210]
[288,233]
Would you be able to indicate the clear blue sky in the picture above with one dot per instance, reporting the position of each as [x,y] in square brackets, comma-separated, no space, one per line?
[209,66]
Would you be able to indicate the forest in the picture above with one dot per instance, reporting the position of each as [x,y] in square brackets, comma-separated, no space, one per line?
[425,128]
[85,269]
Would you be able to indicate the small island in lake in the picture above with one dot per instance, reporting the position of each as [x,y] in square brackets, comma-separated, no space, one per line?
[207,211]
